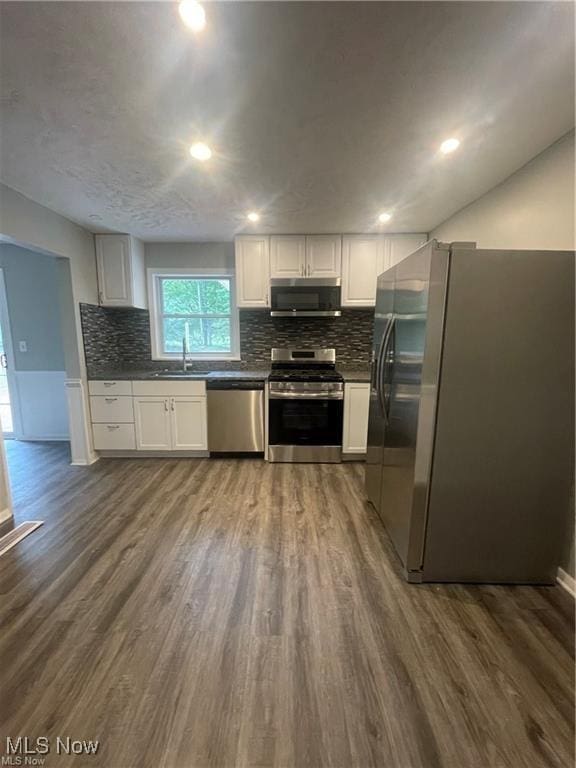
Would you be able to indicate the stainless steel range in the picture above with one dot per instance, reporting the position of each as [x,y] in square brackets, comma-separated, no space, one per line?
[306,399]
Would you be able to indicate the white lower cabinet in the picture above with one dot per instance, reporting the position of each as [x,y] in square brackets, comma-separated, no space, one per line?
[167,415]
[188,423]
[356,408]
[170,423]
[114,437]
[152,422]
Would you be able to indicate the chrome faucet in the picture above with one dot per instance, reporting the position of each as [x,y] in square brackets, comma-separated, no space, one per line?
[184,353]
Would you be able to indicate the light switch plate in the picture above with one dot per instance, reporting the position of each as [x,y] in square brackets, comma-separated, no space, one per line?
[23,346]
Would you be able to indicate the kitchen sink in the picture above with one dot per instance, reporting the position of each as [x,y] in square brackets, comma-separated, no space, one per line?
[183,374]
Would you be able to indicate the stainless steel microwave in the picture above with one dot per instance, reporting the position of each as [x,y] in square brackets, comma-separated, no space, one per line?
[305,297]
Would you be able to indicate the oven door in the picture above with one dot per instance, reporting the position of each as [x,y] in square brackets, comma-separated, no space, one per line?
[305,298]
[305,428]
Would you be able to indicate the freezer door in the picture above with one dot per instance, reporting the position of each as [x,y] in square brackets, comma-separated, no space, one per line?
[375,447]
[408,380]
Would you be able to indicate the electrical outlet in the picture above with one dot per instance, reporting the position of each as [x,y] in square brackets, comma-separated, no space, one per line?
[23,346]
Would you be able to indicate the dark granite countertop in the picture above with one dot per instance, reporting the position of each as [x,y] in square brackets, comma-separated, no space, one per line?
[356,375]
[222,375]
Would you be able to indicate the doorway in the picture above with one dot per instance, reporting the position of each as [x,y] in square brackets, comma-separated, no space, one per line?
[8,395]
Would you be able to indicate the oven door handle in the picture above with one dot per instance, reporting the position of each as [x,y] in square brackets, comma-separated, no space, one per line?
[306,395]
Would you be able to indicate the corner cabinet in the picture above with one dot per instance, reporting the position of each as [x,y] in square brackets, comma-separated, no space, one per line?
[121,271]
[356,410]
[252,270]
[364,257]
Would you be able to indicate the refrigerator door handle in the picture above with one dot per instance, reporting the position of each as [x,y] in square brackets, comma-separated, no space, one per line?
[381,361]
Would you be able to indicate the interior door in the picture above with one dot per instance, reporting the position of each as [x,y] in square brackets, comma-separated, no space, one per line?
[152,422]
[188,420]
[376,425]
[409,386]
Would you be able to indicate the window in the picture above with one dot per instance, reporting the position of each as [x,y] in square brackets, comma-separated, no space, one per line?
[196,307]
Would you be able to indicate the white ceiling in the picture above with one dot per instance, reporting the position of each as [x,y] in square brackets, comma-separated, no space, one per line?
[321,115]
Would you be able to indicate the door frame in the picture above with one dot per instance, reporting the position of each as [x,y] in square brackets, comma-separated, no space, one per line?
[10,370]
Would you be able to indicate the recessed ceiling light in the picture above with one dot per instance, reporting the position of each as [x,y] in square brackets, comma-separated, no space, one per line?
[384,217]
[449,146]
[200,151]
[192,14]
[253,216]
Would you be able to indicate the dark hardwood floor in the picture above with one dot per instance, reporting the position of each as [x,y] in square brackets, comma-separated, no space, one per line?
[229,613]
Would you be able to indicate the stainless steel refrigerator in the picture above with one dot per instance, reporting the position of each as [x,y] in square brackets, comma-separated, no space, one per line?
[470,454]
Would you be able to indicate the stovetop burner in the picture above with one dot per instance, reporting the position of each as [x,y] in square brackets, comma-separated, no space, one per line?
[304,374]
[304,365]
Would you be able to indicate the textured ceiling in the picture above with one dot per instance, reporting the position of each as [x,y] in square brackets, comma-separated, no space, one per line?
[321,115]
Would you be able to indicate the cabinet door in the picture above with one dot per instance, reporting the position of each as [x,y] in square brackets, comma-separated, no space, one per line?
[252,271]
[362,262]
[400,246]
[287,256]
[188,417]
[356,407]
[114,270]
[152,422]
[323,256]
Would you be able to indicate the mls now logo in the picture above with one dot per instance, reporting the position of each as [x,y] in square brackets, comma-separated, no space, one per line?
[26,751]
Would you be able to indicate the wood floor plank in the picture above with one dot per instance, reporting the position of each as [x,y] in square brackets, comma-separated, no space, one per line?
[194,613]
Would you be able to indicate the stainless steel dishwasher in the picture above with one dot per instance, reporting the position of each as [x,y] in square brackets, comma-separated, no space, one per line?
[235,416]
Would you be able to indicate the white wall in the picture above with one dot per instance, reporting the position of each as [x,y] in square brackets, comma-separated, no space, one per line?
[533,208]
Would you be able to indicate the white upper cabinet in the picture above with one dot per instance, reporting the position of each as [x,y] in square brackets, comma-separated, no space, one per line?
[364,257]
[121,271]
[362,262]
[252,271]
[400,246]
[287,256]
[305,256]
[323,256]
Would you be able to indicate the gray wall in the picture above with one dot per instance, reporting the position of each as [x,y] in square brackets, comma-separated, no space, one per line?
[33,296]
[533,208]
[182,255]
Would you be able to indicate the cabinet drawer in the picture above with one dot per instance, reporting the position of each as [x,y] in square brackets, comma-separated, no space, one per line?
[169,387]
[114,437]
[110,387]
[111,409]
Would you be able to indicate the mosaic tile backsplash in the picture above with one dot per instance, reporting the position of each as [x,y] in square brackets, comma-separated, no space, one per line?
[120,338]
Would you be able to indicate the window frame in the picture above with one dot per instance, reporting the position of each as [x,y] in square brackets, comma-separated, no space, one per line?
[154,276]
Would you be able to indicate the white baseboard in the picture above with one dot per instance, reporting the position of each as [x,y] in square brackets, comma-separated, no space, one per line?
[566,581]
[86,463]
[5,514]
